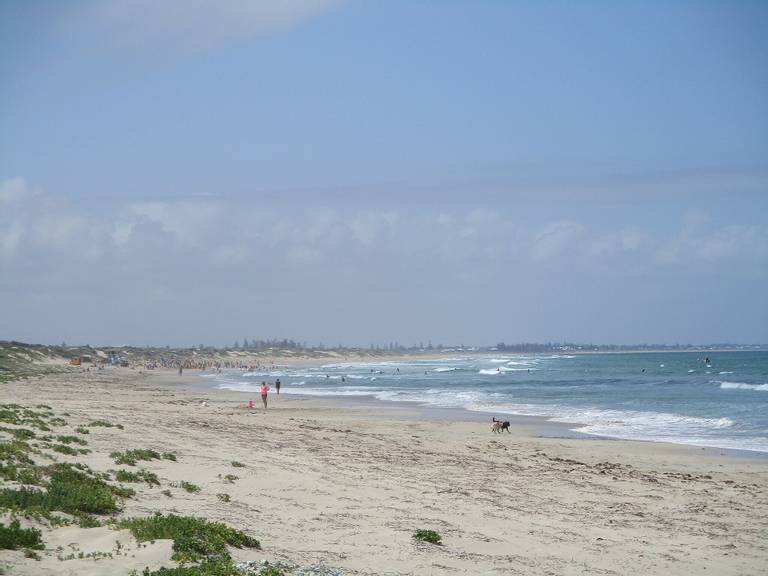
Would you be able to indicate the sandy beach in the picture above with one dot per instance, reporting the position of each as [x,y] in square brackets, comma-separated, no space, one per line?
[348,486]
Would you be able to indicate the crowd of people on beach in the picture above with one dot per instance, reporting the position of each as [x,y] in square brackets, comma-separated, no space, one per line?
[203,365]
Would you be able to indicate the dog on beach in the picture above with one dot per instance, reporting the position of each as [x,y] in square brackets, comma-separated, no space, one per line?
[498,426]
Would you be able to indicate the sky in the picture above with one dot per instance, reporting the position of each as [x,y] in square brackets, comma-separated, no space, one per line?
[352,172]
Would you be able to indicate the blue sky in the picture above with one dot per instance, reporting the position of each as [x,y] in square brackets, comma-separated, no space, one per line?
[356,172]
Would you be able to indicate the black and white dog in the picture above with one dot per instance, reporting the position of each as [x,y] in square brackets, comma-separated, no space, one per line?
[499,426]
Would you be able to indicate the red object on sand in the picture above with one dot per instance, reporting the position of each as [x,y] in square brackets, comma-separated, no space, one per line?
[250,403]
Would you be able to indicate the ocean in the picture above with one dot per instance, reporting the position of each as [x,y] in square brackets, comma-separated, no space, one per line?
[664,396]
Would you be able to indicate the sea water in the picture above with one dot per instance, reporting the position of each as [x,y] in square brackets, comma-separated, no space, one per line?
[666,397]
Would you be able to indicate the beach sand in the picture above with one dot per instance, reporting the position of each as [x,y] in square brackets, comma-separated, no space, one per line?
[348,486]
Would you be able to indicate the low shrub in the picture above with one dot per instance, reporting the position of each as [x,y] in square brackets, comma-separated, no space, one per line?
[87,521]
[71,440]
[17,415]
[169,456]
[19,433]
[271,571]
[194,539]
[69,490]
[15,537]
[68,450]
[189,487]
[130,457]
[105,424]
[20,474]
[237,464]
[9,415]
[74,491]
[216,567]
[428,536]
[140,476]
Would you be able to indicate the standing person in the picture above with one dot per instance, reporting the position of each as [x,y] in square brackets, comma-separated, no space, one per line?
[277,385]
[264,389]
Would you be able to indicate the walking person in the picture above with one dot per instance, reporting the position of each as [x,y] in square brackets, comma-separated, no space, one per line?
[264,389]
[277,385]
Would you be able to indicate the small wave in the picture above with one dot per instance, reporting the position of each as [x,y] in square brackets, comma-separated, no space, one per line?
[721,373]
[500,370]
[743,386]
[691,371]
[328,392]
[638,425]
[446,369]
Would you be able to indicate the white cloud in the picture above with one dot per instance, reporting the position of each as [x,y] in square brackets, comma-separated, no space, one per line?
[10,237]
[733,242]
[368,228]
[54,230]
[554,239]
[171,256]
[190,221]
[728,243]
[632,239]
[15,189]
[122,232]
[188,24]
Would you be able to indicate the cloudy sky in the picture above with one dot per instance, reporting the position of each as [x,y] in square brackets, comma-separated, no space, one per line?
[355,172]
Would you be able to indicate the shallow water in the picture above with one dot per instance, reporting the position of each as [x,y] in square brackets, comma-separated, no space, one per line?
[670,397]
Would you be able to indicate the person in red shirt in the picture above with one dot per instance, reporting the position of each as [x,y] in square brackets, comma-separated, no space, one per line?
[264,389]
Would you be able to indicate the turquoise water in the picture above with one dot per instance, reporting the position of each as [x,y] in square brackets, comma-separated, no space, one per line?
[670,397]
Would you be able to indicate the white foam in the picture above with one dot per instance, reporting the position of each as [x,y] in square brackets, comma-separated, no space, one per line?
[743,386]
[721,373]
[637,425]
[500,370]
[328,391]
[490,371]
[446,369]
